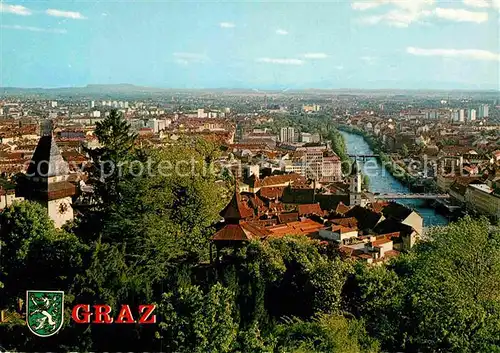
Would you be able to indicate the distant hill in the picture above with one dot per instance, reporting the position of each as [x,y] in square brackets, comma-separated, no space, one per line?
[87,90]
[130,90]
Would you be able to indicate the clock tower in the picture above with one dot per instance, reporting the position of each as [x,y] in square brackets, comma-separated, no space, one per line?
[355,189]
[46,181]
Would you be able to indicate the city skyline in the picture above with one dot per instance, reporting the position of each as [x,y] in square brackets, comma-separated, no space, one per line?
[378,44]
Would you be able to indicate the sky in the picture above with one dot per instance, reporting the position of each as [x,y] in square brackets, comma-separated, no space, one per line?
[420,44]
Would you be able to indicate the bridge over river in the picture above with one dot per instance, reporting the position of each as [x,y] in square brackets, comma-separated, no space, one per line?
[395,196]
[363,156]
[384,186]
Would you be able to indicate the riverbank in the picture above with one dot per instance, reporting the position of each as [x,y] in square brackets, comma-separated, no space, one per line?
[415,184]
[381,180]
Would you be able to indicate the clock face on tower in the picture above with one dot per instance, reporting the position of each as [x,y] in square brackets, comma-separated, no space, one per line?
[63,208]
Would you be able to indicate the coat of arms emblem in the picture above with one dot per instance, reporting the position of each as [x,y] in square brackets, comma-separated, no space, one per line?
[44,311]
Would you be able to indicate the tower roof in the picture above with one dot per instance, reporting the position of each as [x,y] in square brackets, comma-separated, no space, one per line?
[236,209]
[355,168]
[47,160]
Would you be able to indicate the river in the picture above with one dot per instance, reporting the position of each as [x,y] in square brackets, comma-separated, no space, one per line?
[382,181]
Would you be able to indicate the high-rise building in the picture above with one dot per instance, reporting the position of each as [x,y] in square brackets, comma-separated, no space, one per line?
[287,134]
[484,111]
[455,115]
[53,104]
[462,116]
[314,163]
[472,115]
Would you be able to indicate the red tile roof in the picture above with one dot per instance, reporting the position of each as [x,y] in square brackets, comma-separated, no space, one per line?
[242,231]
[342,209]
[309,209]
[272,192]
[350,222]
[378,206]
[342,229]
[306,227]
[380,242]
[236,209]
[288,217]
[276,180]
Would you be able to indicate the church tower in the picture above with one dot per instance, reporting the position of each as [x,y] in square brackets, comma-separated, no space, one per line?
[46,180]
[355,190]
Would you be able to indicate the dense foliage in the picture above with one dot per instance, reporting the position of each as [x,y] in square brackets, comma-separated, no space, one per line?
[289,294]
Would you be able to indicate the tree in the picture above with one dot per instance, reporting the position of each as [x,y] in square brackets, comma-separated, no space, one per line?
[376,295]
[34,251]
[35,255]
[442,296]
[117,142]
[453,281]
[195,321]
[167,213]
[298,279]
[366,182]
[404,151]
[325,334]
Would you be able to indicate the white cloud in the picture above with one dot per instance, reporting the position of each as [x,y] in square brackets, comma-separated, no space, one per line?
[281,32]
[227,25]
[34,29]
[483,3]
[66,14]
[362,6]
[471,54]
[402,13]
[397,18]
[14,9]
[188,58]
[477,3]
[315,56]
[281,61]
[461,15]
[409,5]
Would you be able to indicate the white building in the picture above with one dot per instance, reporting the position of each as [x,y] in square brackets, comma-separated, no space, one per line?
[472,115]
[484,111]
[201,113]
[287,134]
[462,115]
[338,233]
[53,104]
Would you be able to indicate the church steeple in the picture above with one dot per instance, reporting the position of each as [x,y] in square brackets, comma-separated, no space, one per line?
[355,189]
